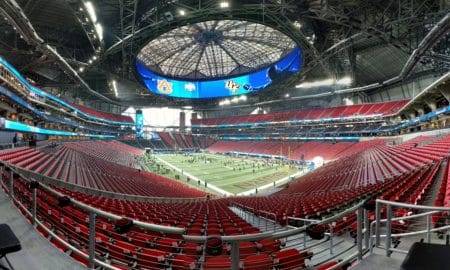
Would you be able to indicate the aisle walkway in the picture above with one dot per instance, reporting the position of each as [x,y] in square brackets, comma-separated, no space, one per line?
[37,253]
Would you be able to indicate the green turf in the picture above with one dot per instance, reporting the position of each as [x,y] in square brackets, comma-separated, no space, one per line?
[234,175]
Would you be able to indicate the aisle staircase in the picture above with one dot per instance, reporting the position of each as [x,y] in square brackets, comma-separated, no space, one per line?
[324,250]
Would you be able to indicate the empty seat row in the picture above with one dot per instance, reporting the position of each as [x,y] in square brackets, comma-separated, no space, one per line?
[383,109]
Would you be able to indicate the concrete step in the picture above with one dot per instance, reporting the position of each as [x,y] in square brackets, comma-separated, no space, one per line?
[376,262]
[434,190]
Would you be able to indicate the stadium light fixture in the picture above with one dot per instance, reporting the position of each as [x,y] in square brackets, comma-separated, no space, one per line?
[224,4]
[225,102]
[315,83]
[182,12]
[81,69]
[297,24]
[343,81]
[318,161]
[90,61]
[287,95]
[243,98]
[91,11]
[114,84]
[99,29]
[348,101]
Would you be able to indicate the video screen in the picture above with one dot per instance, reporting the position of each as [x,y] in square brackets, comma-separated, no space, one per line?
[233,86]
[139,124]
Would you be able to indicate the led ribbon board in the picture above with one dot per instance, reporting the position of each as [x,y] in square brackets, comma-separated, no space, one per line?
[33,90]
[233,86]
[17,126]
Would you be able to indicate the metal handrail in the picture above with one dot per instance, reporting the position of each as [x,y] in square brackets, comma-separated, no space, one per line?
[268,219]
[413,206]
[373,223]
[321,222]
[410,216]
[62,241]
[304,219]
[375,234]
[417,232]
[233,240]
[90,209]
[276,235]
[314,221]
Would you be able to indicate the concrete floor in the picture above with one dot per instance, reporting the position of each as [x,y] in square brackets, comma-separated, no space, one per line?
[378,262]
[37,252]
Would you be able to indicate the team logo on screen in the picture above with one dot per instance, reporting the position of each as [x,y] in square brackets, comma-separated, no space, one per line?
[190,87]
[164,87]
[232,86]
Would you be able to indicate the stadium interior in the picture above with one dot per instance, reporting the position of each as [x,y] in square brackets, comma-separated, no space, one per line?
[225,134]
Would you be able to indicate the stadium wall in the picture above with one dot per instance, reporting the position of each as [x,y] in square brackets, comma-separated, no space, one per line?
[7,137]
[410,136]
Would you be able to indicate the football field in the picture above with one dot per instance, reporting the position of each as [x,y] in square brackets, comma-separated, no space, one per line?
[232,174]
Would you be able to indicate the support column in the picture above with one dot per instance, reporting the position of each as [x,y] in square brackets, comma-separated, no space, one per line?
[235,255]
[377,223]
[91,240]
[388,230]
[367,229]
[34,205]
[359,221]
[182,122]
[11,184]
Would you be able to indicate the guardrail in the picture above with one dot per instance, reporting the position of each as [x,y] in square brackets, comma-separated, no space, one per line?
[376,225]
[94,212]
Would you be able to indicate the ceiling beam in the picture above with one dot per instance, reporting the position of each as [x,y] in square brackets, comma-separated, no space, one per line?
[15,15]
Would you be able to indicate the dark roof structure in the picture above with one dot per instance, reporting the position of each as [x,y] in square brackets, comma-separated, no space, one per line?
[80,47]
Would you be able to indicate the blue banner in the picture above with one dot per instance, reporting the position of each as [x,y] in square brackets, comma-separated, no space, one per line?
[17,126]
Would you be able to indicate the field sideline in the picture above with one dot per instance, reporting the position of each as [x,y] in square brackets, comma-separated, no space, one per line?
[231,174]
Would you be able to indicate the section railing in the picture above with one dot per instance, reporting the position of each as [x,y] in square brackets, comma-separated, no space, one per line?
[418,222]
[31,206]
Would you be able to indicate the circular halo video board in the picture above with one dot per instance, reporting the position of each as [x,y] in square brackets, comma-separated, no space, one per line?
[217,59]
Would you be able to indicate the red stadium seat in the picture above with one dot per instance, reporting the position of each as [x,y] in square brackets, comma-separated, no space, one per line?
[258,262]
[183,262]
[290,259]
[217,263]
